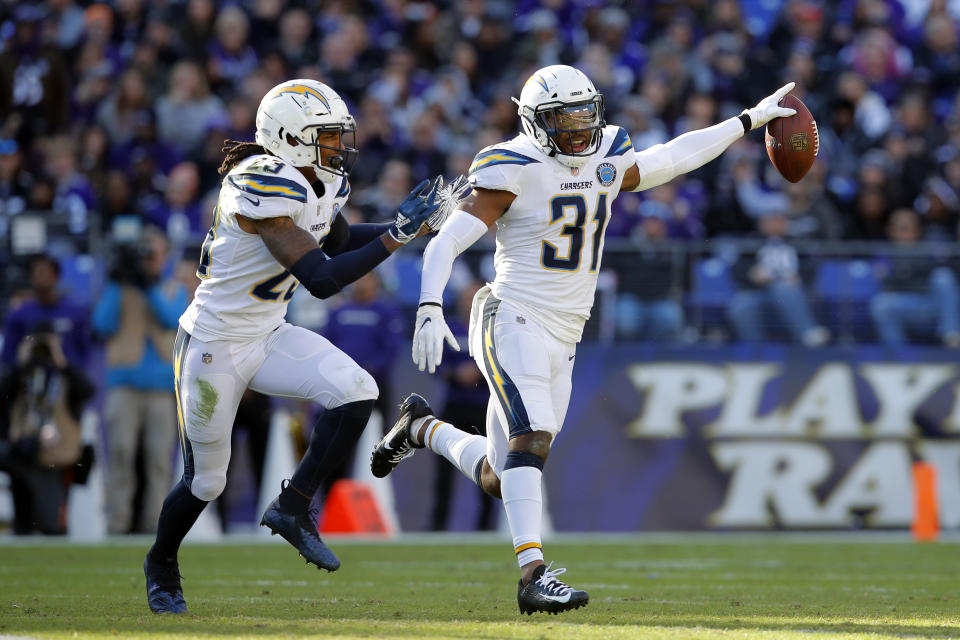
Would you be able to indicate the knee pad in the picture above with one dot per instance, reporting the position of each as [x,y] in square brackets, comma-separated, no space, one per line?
[207,486]
[367,386]
[523,459]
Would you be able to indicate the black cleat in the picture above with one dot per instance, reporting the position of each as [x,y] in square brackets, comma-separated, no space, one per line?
[545,593]
[164,594]
[298,530]
[399,443]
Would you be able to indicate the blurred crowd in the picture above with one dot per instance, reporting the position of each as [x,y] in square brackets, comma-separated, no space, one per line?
[113,114]
[112,118]
[122,108]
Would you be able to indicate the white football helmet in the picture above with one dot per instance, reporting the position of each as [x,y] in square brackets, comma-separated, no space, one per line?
[291,116]
[562,113]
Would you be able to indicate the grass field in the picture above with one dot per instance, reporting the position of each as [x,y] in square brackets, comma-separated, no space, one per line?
[663,587]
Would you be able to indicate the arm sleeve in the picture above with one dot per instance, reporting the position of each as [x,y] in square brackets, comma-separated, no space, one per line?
[361,234]
[345,237]
[323,276]
[663,162]
[459,232]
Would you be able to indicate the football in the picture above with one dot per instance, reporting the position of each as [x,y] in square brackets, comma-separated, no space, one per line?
[793,142]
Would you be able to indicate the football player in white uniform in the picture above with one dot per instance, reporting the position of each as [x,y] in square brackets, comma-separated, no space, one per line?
[549,192]
[276,226]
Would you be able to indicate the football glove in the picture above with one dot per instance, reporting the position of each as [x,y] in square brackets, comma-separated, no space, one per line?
[449,197]
[429,335]
[769,108]
[414,211]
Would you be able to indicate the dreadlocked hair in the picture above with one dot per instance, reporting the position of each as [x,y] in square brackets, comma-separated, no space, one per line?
[235,152]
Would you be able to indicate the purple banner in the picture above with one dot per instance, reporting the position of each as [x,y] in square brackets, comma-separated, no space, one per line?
[738,438]
[754,438]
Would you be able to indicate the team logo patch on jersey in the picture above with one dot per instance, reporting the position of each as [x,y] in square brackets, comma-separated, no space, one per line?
[606,174]
[207,358]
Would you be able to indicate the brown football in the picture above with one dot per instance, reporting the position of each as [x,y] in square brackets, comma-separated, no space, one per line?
[793,142]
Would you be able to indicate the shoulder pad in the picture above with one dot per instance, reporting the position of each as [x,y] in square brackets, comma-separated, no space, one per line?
[621,143]
[498,155]
[270,186]
[261,163]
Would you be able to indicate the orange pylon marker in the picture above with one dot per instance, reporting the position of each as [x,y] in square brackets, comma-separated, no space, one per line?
[926,524]
[352,508]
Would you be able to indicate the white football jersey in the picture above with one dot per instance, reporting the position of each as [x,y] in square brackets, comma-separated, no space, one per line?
[550,240]
[243,290]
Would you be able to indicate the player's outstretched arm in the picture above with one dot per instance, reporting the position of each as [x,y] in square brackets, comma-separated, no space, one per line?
[663,162]
[347,237]
[296,250]
[465,226]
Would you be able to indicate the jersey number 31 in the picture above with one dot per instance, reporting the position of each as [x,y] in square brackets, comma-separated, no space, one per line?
[558,208]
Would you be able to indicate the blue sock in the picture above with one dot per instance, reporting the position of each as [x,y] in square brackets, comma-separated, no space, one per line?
[180,510]
[333,439]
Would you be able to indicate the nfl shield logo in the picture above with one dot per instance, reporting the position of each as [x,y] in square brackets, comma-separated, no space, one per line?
[207,358]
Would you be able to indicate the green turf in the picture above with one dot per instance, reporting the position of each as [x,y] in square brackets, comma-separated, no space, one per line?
[690,588]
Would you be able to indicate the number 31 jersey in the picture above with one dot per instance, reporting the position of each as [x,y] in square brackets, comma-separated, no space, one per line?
[550,240]
[244,291]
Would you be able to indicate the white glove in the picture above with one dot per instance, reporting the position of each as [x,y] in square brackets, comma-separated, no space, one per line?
[431,330]
[448,198]
[769,108]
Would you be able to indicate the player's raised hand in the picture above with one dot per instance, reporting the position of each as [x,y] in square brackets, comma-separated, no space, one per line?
[429,335]
[449,197]
[414,211]
[769,108]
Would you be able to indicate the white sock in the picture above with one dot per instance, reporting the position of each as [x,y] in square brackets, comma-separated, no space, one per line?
[522,500]
[465,451]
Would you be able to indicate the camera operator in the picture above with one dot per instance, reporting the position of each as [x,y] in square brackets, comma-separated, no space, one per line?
[137,315]
[40,435]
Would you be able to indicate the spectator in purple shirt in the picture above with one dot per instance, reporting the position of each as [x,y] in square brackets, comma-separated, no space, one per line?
[144,142]
[34,80]
[74,192]
[231,58]
[69,321]
[179,214]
